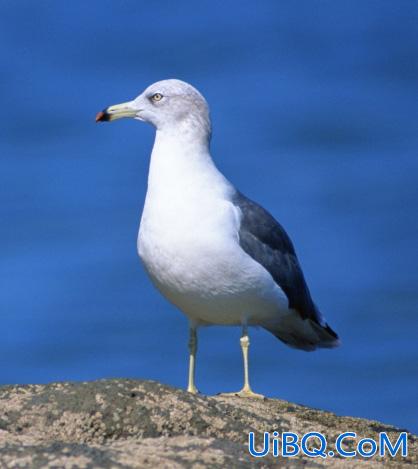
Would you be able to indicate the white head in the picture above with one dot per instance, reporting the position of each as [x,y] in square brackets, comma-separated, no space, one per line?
[169,105]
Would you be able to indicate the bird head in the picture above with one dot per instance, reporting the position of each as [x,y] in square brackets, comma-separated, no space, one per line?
[166,104]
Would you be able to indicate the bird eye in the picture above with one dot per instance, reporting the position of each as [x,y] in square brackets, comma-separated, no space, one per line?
[157,97]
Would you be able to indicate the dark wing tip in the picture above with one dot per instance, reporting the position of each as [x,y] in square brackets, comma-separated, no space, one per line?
[331,331]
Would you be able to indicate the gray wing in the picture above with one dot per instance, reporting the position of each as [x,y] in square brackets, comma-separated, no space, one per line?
[266,241]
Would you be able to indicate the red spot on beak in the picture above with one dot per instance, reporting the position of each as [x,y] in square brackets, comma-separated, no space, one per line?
[100,116]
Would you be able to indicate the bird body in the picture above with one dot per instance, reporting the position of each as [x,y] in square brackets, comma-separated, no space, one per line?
[189,241]
[219,257]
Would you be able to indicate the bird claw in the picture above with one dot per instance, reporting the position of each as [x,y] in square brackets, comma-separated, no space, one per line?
[193,390]
[246,393]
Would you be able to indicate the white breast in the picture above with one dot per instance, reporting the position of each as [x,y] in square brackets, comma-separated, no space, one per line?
[188,242]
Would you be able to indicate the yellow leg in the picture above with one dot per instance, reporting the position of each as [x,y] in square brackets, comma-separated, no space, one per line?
[246,391]
[192,359]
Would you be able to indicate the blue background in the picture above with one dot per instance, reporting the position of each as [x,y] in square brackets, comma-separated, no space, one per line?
[315,115]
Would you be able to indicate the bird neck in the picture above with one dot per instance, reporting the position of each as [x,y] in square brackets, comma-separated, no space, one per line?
[180,160]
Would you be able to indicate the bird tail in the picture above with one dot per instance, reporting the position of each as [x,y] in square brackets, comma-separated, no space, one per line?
[304,334]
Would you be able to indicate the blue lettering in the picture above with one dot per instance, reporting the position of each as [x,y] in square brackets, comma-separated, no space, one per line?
[373,447]
[286,436]
[339,441]
[251,446]
[314,452]
[401,442]
[275,444]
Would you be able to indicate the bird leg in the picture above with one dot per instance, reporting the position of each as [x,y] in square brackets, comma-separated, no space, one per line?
[192,359]
[246,391]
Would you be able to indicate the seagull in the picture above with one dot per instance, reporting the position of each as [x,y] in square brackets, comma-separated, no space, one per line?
[219,257]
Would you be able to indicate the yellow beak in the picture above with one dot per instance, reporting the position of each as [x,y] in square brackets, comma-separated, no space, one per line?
[118,111]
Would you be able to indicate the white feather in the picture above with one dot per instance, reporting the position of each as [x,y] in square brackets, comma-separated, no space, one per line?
[188,238]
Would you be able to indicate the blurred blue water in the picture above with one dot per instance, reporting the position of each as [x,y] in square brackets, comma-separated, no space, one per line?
[314,108]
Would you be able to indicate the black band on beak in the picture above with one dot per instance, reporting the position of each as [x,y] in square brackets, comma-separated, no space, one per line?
[102,116]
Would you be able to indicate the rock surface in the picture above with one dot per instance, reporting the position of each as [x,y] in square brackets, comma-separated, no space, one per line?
[124,423]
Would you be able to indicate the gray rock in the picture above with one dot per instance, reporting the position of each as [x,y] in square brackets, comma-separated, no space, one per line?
[124,423]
